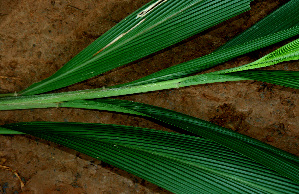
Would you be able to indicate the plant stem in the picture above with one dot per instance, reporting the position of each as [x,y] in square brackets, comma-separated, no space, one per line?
[52,100]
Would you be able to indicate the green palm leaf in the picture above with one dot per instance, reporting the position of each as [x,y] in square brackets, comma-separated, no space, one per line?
[284,163]
[278,26]
[155,26]
[222,160]
[179,163]
[138,36]
[285,53]
[281,20]
[283,78]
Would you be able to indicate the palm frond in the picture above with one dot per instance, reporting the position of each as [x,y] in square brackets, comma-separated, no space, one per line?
[285,53]
[277,26]
[282,78]
[155,26]
[177,162]
[282,162]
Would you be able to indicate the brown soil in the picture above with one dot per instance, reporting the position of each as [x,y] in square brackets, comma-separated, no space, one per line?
[38,37]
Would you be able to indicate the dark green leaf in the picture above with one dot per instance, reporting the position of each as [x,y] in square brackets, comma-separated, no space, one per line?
[179,163]
[135,37]
[282,162]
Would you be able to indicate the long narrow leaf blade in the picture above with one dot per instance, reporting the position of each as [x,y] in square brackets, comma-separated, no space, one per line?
[285,53]
[161,21]
[281,19]
[279,25]
[208,167]
[282,162]
[283,78]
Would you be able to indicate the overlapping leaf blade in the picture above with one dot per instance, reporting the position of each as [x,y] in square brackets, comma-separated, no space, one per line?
[239,46]
[283,78]
[279,25]
[177,162]
[282,19]
[136,37]
[285,53]
[197,173]
[282,162]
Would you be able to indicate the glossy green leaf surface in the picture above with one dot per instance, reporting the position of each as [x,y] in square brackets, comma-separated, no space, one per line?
[285,53]
[220,160]
[277,26]
[282,162]
[282,78]
[177,162]
[151,28]
[258,36]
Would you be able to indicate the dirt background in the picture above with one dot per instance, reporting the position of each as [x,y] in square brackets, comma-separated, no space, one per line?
[38,37]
